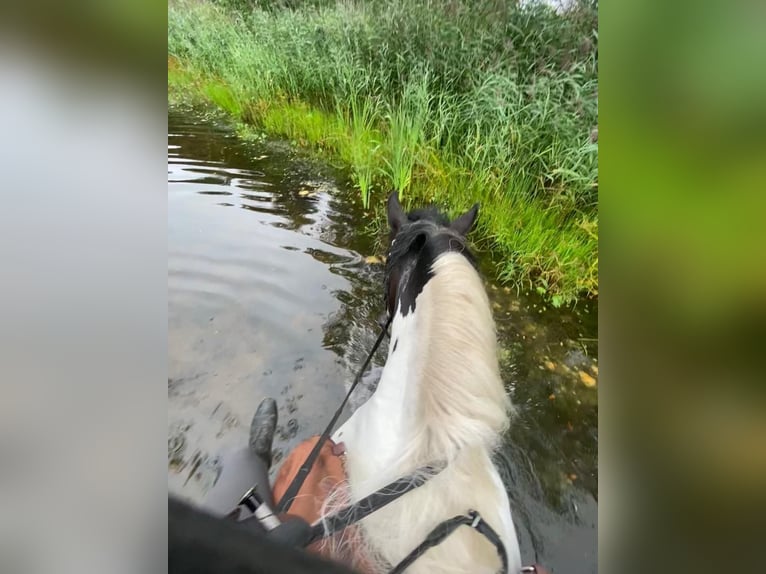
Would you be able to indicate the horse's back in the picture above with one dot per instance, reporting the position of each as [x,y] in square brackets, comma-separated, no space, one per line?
[469,483]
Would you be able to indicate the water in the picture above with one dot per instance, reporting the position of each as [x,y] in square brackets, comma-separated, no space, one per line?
[273,291]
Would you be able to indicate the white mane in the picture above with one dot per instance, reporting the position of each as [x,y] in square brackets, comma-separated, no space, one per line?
[440,398]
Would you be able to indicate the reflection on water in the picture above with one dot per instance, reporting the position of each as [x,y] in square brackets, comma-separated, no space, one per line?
[270,293]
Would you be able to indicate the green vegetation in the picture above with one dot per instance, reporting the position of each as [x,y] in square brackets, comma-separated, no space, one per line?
[450,101]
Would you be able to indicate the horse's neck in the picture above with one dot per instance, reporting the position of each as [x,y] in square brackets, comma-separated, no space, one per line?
[383,427]
[440,390]
[439,398]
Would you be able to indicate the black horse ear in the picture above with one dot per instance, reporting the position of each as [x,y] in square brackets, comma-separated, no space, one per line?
[396,215]
[464,223]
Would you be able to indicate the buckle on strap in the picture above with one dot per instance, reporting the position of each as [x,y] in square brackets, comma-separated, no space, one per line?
[476,518]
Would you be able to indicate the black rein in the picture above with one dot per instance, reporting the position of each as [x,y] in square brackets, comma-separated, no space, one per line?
[297,482]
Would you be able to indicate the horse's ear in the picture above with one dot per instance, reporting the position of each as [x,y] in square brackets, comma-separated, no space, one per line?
[464,223]
[396,215]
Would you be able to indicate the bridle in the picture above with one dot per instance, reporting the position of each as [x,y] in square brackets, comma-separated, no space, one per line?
[401,246]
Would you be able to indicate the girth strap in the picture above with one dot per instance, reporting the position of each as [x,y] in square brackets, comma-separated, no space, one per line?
[444,529]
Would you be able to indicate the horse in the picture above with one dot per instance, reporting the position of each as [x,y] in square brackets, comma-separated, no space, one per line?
[440,399]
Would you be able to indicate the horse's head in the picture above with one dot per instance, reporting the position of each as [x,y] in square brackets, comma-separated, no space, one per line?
[417,239]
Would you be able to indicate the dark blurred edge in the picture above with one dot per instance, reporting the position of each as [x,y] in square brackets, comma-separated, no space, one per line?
[200,543]
[682,331]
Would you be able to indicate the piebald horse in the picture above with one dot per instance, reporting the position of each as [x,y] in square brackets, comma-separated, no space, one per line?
[440,399]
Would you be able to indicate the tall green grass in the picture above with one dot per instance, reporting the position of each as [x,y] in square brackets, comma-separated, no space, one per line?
[360,114]
[448,101]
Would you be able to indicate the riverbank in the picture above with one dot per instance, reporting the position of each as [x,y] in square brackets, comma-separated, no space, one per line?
[494,104]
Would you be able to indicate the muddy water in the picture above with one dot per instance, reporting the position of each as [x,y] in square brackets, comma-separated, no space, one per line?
[272,291]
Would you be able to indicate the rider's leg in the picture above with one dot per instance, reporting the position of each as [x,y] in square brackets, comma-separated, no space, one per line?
[247,466]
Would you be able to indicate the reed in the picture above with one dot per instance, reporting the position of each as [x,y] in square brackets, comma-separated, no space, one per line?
[447,100]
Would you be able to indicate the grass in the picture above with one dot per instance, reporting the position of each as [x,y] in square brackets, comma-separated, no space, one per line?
[446,101]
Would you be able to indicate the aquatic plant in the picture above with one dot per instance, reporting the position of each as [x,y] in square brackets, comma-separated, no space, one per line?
[447,101]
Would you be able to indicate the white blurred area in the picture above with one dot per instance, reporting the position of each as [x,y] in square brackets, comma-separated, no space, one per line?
[82,316]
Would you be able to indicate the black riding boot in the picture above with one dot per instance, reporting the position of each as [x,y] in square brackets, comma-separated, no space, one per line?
[246,466]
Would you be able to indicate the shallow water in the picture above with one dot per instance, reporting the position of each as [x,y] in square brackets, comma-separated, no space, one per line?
[272,291]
